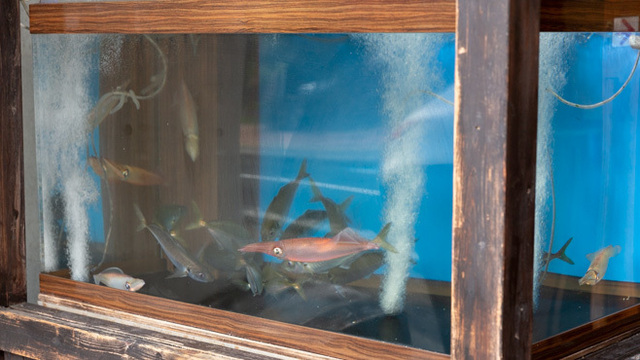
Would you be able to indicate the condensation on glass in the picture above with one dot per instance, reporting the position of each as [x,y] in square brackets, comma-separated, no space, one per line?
[586,207]
[300,178]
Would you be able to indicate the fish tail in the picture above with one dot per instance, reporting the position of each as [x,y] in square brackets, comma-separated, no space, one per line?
[197,223]
[562,255]
[317,195]
[142,222]
[381,239]
[302,173]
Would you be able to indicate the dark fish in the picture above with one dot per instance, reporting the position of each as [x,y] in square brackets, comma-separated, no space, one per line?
[546,258]
[305,225]
[360,268]
[278,209]
[338,220]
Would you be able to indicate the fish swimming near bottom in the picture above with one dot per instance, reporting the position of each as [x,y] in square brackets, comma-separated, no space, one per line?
[599,262]
[345,243]
[114,277]
[185,264]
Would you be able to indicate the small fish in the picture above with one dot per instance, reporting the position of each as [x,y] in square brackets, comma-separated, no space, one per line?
[115,278]
[169,215]
[227,234]
[320,267]
[345,243]
[189,121]
[338,220]
[125,173]
[599,262]
[185,264]
[276,282]
[305,225]
[546,258]
[278,209]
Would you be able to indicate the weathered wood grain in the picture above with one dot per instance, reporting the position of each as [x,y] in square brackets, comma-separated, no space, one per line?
[255,16]
[295,16]
[589,337]
[43,333]
[13,287]
[494,178]
[233,324]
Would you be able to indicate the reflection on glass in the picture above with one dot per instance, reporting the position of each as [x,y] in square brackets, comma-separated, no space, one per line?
[301,178]
[586,180]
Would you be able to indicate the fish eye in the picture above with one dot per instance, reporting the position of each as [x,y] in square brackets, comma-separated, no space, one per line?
[125,173]
[127,285]
[277,251]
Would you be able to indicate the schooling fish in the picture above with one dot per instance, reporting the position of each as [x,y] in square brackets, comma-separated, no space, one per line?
[345,243]
[189,121]
[278,209]
[546,258]
[115,278]
[599,262]
[338,220]
[125,173]
[185,264]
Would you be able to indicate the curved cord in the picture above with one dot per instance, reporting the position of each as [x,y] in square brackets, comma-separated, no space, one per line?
[593,106]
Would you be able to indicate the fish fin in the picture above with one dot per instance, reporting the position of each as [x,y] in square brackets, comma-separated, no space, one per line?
[177,274]
[616,250]
[347,235]
[111,270]
[298,288]
[302,173]
[254,277]
[381,239]
[96,279]
[142,222]
[317,195]
[591,256]
[345,204]
[562,255]
[199,221]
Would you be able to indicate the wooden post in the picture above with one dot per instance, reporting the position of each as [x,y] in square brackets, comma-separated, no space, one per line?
[494,178]
[13,285]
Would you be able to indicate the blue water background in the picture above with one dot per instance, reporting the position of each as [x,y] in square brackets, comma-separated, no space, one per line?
[321,100]
[594,158]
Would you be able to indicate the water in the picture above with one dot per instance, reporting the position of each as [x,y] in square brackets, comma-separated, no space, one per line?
[164,155]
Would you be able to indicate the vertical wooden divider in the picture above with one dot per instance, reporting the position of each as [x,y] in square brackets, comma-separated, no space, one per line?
[494,178]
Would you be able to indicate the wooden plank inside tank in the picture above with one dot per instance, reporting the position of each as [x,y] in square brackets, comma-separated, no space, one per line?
[211,69]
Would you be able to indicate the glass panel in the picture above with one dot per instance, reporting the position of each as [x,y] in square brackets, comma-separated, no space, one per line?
[586,180]
[301,178]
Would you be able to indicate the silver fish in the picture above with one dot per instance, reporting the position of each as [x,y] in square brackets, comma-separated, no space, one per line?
[184,263]
[189,121]
[338,220]
[114,277]
[278,209]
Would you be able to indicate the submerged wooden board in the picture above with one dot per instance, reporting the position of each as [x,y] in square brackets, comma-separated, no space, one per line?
[296,16]
[232,324]
[256,16]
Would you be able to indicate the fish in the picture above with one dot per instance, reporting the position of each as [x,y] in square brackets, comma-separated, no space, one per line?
[114,277]
[189,121]
[169,215]
[599,262]
[276,282]
[184,263]
[305,225]
[228,235]
[312,249]
[546,258]
[278,209]
[338,220]
[125,173]
[320,267]
[362,267]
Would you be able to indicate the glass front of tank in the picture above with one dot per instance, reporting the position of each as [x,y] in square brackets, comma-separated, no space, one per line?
[301,178]
[587,173]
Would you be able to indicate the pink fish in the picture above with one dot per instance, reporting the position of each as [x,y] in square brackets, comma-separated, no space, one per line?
[312,249]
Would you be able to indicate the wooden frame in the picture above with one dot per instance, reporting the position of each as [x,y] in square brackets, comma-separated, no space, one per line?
[488,321]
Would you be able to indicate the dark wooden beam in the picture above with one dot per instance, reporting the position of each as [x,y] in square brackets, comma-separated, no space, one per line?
[13,287]
[494,178]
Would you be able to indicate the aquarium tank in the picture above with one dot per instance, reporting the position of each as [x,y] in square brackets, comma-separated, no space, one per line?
[302,178]
[308,178]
